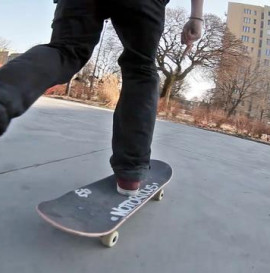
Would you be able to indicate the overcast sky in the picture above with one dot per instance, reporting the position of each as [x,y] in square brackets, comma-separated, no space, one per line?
[26,23]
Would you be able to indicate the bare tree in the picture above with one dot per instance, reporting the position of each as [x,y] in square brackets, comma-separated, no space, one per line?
[237,80]
[263,100]
[102,63]
[208,97]
[109,53]
[86,73]
[207,52]
[4,44]
[180,88]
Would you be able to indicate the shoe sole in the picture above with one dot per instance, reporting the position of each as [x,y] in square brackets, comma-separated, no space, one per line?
[127,192]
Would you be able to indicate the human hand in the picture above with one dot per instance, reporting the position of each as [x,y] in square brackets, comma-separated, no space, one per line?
[192,32]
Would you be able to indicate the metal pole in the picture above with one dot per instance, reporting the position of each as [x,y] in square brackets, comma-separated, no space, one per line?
[95,67]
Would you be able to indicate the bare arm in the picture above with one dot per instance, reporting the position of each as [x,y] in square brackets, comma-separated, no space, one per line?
[193,28]
[197,8]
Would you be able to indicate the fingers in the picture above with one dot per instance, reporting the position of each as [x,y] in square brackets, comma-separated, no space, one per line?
[191,32]
[187,50]
[187,38]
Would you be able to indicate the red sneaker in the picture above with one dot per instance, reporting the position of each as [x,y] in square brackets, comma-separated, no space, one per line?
[128,188]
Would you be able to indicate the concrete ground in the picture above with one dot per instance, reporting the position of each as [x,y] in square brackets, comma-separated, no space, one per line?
[215,217]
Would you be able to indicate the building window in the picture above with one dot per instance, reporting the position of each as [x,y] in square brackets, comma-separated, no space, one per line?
[247,11]
[247,20]
[262,24]
[261,34]
[252,49]
[259,53]
[246,29]
[267,52]
[255,12]
[253,40]
[245,38]
[255,21]
[268,42]
[268,22]
[260,44]
[268,13]
[266,62]
[262,16]
[268,32]
[254,30]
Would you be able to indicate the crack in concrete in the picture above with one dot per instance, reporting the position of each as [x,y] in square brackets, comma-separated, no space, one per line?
[53,161]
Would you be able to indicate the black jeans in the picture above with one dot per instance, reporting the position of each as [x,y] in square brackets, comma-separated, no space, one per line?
[76,31]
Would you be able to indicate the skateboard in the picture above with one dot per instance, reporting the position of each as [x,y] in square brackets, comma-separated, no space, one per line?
[98,210]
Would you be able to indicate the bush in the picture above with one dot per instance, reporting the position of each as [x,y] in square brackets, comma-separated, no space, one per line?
[57,90]
[200,115]
[268,130]
[161,106]
[218,117]
[108,90]
[173,109]
[77,90]
[242,124]
[258,129]
[213,117]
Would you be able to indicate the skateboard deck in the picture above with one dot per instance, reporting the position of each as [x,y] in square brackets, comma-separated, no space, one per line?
[98,210]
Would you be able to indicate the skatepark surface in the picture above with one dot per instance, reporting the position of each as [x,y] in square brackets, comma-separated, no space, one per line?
[214,218]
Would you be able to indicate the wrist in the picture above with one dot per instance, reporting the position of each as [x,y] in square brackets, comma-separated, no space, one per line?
[196,14]
[196,18]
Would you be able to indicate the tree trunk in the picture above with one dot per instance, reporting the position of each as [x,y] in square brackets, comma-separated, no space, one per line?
[167,90]
[68,89]
[234,106]
[167,86]
[69,85]
[261,114]
[230,112]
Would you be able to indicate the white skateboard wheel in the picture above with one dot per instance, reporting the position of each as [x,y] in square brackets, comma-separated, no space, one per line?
[159,196]
[111,239]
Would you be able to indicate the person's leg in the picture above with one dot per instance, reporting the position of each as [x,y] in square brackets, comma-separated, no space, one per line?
[76,30]
[139,25]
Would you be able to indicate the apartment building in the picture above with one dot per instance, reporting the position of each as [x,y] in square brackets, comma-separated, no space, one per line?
[251,24]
